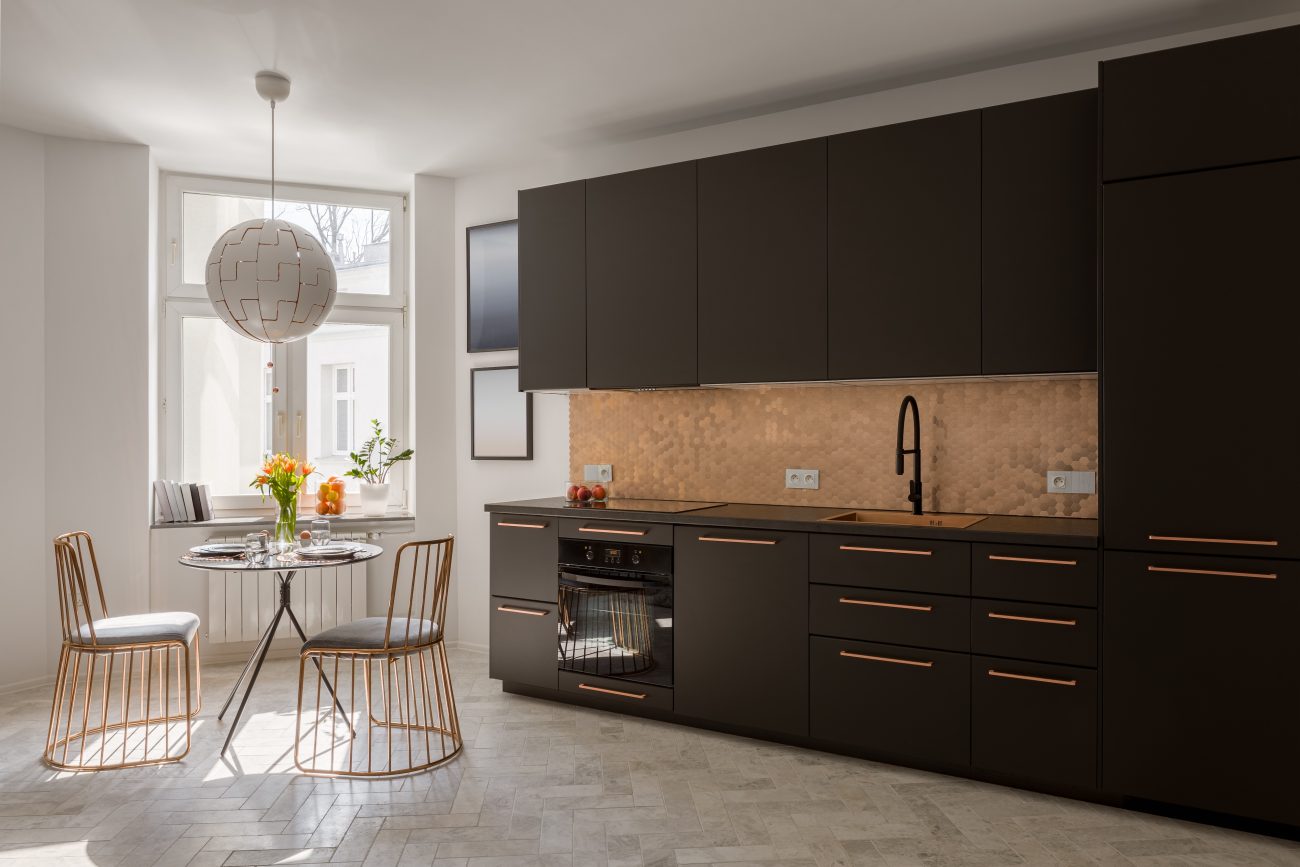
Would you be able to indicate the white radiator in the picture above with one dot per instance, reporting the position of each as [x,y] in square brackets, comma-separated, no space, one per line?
[241,604]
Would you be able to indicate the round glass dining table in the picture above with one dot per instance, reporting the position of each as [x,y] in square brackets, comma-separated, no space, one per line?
[284,566]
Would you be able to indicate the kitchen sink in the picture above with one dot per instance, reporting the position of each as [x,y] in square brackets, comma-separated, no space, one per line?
[905,519]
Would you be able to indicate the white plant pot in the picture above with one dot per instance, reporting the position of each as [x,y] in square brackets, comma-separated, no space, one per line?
[374,499]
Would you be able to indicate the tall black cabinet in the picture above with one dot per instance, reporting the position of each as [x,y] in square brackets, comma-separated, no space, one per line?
[553,287]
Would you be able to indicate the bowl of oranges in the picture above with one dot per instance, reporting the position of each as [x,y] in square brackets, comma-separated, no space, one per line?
[331,498]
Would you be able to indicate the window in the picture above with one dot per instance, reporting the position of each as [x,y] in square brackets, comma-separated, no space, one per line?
[228,401]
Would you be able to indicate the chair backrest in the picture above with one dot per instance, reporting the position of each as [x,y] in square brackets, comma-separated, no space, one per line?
[421,580]
[77,599]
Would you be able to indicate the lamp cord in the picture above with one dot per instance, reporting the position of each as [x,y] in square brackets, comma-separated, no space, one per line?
[273,159]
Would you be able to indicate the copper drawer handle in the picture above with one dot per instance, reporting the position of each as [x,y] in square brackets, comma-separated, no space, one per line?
[993,615]
[636,695]
[738,541]
[612,532]
[521,526]
[532,612]
[849,601]
[1054,681]
[851,655]
[1265,576]
[1269,543]
[886,550]
[1009,559]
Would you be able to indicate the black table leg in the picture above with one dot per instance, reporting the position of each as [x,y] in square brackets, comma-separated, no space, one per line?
[260,657]
[298,626]
[257,653]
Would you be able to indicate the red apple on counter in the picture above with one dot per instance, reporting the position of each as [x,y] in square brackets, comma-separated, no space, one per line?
[598,491]
[572,493]
[584,493]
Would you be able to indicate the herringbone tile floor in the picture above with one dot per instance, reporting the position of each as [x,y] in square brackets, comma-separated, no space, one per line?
[547,784]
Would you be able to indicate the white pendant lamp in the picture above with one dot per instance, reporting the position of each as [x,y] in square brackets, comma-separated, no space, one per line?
[268,279]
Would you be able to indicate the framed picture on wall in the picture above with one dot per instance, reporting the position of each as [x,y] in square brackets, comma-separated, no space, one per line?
[500,416]
[492,268]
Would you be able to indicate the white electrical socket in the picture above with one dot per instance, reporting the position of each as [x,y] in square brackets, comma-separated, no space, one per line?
[598,472]
[809,480]
[1071,482]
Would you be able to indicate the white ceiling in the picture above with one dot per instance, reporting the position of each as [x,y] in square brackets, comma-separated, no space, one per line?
[386,88]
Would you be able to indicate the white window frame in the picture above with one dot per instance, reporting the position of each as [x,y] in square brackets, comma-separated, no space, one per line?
[289,404]
[351,397]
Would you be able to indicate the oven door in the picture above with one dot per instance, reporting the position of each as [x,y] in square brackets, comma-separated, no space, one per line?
[616,626]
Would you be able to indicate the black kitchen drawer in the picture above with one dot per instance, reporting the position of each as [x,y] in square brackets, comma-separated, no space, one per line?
[1034,721]
[914,565]
[888,616]
[892,700]
[523,644]
[604,530]
[1064,576]
[1028,630]
[523,553]
[616,694]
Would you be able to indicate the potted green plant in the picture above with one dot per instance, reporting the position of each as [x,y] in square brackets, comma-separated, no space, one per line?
[371,465]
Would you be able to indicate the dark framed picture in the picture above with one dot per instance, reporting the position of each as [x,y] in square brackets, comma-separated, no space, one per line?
[500,416]
[492,283]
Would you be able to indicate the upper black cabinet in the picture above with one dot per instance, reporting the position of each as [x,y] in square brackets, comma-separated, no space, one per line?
[904,263]
[553,287]
[641,262]
[1039,238]
[1219,103]
[1198,321]
[763,264]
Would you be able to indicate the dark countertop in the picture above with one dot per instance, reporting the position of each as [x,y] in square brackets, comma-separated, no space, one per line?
[1010,529]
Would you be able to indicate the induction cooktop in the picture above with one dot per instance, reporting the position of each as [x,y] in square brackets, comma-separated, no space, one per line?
[633,505]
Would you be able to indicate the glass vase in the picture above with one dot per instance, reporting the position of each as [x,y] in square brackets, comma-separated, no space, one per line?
[286,521]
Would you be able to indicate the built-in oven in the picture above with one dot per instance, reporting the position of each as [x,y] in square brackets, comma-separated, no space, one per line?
[616,610]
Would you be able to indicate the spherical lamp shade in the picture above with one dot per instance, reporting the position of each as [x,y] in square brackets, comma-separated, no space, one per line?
[271,280]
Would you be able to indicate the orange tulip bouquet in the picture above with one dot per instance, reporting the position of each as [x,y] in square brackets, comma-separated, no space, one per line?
[283,477]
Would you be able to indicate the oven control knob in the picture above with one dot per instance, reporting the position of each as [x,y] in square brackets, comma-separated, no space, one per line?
[636,558]
[591,555]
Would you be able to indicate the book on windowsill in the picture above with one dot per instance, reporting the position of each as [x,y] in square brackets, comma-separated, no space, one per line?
[181,503]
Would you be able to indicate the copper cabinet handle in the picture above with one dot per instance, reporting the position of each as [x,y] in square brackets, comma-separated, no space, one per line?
[1270,543]
[1054,681]
[875,604]
[612,532]
[886,550]
[851,655]
[636,695]
[738,541]
[510,609]
[521,526]
[994,615]
[1266,576]
[1009,559]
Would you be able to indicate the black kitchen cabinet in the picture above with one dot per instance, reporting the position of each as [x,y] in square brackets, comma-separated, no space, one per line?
[1213,104]
[1199,307]
[904,249]
[524,644]
[740,628]
[1040,235]
[1199,701]
[762,256]
[524,550]
[641,278]
[553,287]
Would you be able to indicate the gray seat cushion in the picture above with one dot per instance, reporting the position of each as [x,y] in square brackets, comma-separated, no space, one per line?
[368,634]
[140,628]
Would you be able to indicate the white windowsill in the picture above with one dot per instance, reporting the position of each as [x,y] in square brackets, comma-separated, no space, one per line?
[391,521]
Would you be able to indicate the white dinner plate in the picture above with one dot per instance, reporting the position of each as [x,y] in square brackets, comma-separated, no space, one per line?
[218,549]
[328,552]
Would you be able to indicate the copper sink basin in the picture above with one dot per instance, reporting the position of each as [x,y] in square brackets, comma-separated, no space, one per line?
[905,519]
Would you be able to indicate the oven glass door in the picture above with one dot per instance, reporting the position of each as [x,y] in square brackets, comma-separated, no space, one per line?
[617,626]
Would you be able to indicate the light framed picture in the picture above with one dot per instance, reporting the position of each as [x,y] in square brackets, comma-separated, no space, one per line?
[500,416]
[492,284]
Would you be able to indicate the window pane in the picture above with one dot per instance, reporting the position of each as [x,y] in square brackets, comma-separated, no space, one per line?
[332,348]
[341,380]
[357,239]
[342,426]
[224,417]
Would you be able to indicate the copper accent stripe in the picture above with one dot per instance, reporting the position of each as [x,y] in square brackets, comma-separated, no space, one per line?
[612,532]
[994,615]
[920,664]
[1054,681]
[521,526]
[532,612]
[738,541]
[636,695]
[1266,576]
[1009,559]
[886,550]
[875,604]
[1269,543]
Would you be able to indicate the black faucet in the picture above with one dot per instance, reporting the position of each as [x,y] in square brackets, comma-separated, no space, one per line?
[914,488]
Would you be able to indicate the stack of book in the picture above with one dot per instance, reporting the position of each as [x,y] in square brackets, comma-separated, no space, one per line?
[179,503]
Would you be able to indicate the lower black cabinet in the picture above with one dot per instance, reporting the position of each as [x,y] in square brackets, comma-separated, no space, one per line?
[1034,721]
[889,699]
[523,646]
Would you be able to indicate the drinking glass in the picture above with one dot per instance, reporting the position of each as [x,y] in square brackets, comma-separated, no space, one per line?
[320,532]
[255,547]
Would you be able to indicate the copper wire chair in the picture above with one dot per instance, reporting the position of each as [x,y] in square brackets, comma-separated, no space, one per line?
[113,701]
[407,718]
